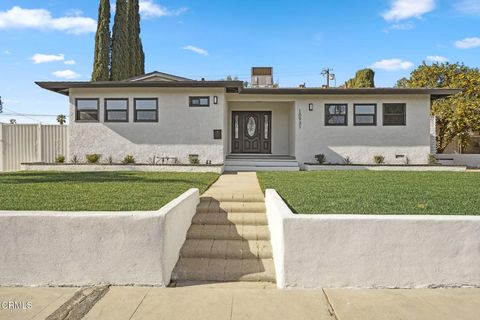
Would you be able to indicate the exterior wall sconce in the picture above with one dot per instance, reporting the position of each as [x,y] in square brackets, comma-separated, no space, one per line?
[310,106]
[215,100]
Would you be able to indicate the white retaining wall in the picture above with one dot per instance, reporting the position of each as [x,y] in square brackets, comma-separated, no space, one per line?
[470,160]
[86,248]
[326,167]
[120,167]
[372,251]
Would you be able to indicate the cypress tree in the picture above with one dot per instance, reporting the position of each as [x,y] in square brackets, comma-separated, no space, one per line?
[101,61]
[136,57]
[120,44]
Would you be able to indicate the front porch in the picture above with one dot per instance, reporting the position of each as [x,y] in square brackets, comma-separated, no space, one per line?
[260,162]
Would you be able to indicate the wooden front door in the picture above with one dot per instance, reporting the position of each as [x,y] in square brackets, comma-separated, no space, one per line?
[251,131]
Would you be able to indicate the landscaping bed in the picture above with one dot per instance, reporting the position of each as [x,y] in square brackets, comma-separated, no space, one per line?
[368,192]
[96,191]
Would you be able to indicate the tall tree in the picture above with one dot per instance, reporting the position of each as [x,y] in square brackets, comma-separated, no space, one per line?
[101,61]
[457,116]
[364,78]
[120,45]
[136,55]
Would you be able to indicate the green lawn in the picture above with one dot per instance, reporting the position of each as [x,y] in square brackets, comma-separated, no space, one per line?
[96,191]
[368,192]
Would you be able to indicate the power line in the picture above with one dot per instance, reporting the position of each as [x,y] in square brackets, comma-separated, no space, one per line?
[30,114]
[21,115]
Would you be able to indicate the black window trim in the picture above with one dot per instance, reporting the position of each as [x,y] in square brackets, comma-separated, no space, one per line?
[77,111]
[404,114]
[191,104]
[117,110]
[327,114]
[135,109]
[368,114]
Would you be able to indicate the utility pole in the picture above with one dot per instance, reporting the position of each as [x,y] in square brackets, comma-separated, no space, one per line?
[327,72]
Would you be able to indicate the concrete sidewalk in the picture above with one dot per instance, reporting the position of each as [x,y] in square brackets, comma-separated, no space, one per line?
[254,301]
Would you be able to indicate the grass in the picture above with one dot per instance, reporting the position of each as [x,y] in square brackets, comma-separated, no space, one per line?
[367,192]
[96,191]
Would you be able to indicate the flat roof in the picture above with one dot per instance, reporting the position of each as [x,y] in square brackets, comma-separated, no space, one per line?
[63,87]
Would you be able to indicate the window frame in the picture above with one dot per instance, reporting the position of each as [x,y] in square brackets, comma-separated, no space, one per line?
[135,109]
[191,104]
[327,114]
[117,110]
[374,114]
[404,123]
[77,111]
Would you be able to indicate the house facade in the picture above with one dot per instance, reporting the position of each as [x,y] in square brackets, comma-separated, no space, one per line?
[164,116]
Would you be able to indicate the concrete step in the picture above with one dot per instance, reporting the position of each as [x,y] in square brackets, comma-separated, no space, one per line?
[233,206]
[262,162]
[250,168]
[195,269]
[229,218]
[226,249]
[213,196]
[228,232]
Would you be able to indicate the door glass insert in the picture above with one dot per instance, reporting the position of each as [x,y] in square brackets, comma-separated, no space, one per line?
[236,127]
[266,127]
[251,126]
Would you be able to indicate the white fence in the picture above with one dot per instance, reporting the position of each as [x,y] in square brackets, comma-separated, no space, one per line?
[30,143]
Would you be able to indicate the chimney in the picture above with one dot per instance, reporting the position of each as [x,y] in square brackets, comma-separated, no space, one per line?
[262,77]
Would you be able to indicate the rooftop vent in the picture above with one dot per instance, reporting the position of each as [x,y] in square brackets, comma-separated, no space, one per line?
[262,77]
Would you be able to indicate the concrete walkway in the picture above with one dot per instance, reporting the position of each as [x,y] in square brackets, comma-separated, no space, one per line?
[253,300]
[229,238]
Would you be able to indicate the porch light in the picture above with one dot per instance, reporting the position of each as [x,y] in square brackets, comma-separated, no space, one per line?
[215,100]
[310,106]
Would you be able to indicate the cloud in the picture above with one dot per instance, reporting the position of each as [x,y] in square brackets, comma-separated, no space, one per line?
[70,62]
[198,50]
[437,59]
[149,9]
[468,6]
[392,65]
[403,26]
[406,9]
[66,74]
[41,19]
[468,43]
[45,58]
[7,52]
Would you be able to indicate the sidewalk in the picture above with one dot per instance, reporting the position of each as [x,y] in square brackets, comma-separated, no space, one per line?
[242,300]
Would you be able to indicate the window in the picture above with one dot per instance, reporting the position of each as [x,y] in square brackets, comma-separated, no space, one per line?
[365,114]
[116,110]
[86,110]
[199,101]
[146,110]
[336,115]
[394,114]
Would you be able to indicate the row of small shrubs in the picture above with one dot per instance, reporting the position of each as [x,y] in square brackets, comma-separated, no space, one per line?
[377,159]
[94,158]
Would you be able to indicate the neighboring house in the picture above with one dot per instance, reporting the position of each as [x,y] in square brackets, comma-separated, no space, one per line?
[168,116]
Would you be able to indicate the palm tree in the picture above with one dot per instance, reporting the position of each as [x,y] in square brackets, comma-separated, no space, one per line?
[61,119]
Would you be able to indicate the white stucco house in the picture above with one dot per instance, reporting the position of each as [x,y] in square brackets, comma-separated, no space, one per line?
[162,115]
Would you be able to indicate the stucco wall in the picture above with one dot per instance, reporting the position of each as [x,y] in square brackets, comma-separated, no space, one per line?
[86,248]
[372,251]
[362,143]
[281,136]
[180,131]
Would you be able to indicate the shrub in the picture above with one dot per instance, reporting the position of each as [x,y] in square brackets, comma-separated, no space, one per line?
[432,160]
[129,159]
[60,159]
[320,158]
[110,160]
[193,159]
[93,158]
[74,159]
[347,160]
[378,159]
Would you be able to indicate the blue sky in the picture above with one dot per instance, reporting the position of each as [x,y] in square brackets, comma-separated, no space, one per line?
[54,40]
